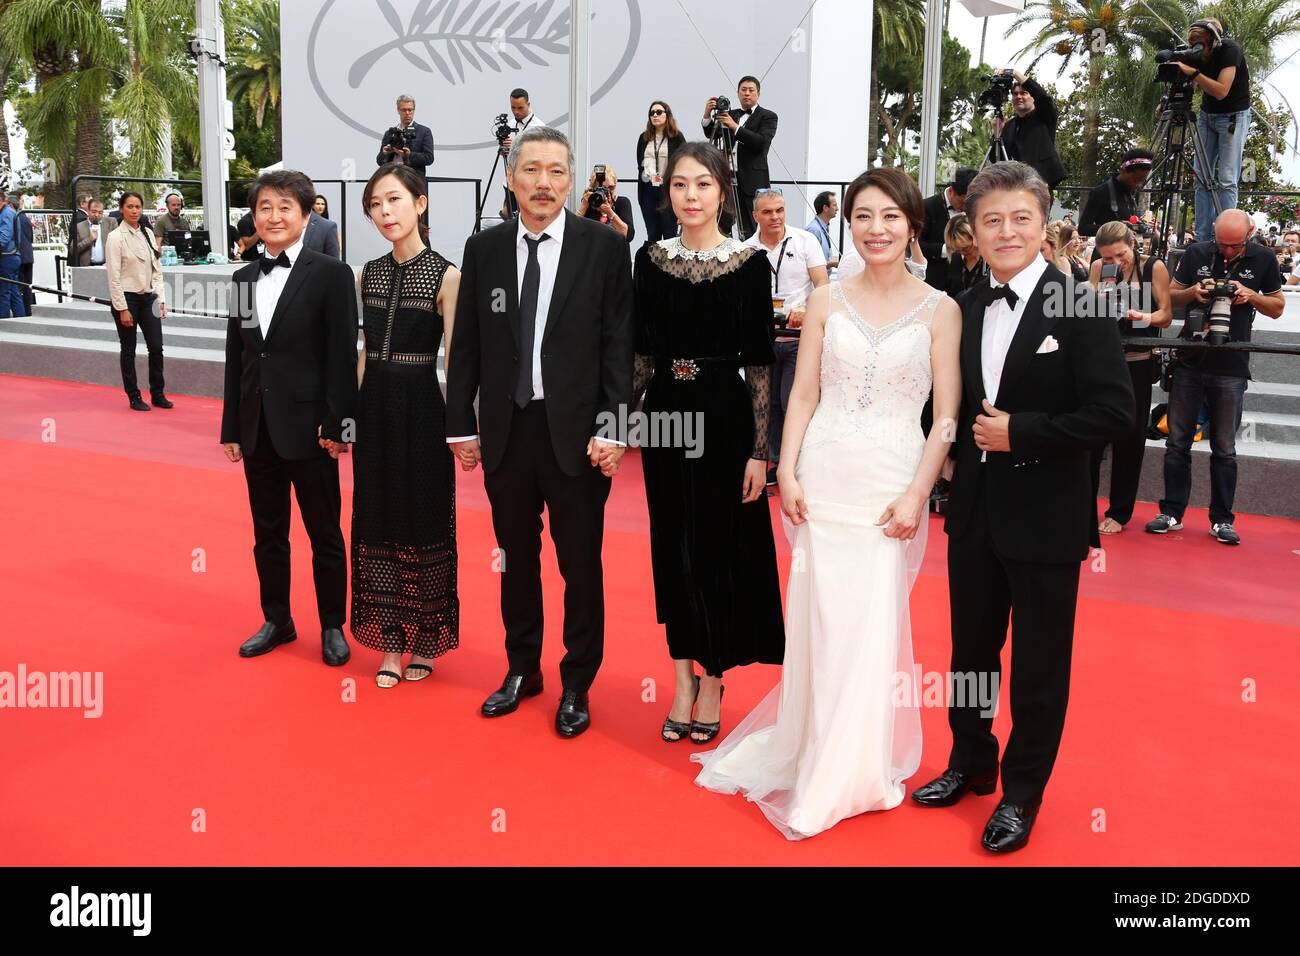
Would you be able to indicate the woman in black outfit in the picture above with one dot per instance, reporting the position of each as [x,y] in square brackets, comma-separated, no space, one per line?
[965,266]
[1149,281]
[654,147]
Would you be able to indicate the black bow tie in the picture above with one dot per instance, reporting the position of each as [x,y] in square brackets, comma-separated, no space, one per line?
[990,294]
[267,263]
[747,112]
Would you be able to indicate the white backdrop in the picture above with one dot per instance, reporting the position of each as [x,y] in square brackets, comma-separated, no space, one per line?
[345,62]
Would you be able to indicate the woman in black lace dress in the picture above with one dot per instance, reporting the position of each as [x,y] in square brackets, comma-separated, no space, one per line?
[703,313]
[404,490]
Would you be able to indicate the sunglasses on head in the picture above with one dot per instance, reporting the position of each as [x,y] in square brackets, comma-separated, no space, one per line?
[768,189]
[657,112]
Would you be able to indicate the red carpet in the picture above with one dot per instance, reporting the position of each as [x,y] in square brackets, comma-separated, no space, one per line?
[1162,763]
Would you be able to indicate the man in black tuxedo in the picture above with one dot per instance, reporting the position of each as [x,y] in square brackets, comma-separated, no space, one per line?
[748,131]
[291,383]
[1030,135]
[544,338]
[1043,381]
[939,209]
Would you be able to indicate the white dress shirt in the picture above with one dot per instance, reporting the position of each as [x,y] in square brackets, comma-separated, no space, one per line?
[268,287]
[97,250]
[1001,322]
[740,121]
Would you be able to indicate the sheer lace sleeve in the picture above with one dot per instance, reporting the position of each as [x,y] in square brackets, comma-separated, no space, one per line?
[643,371]
[759,379]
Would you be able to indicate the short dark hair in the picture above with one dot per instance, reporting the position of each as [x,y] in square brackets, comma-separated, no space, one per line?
[961,180]
[750,79]
[712,159]
[288,181]
[894,182]
[412,181]
[519,93]
[823,200]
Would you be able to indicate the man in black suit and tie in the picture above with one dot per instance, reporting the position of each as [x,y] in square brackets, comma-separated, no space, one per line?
[748,132]
[1043,381]
[291,383]
[544,338]
[938,210]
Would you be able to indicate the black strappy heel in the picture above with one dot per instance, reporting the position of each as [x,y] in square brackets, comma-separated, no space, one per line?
[710,729]
[680,727]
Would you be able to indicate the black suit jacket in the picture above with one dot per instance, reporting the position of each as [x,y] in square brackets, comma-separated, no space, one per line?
[1062,403]
[586,344]
[753,141]
[1032,140]
[931,240]
[303,374]
[421,150]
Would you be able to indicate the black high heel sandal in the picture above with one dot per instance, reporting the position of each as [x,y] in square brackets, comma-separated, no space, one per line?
[710,729]
[680,727]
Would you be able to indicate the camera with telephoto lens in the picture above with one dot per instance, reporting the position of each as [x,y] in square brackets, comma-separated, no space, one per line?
[599,193]
[399,138]
[1218,330]
[1167,62]
[1112,292]
[721,105]
[997,90]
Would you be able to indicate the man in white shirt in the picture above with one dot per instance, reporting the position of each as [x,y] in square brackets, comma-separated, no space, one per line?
[798,266]
[1044,381]
[521,108]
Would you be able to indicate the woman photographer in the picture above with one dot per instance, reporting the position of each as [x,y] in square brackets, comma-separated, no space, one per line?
[616,210]
[965,265]
[653,148]
[1117,246]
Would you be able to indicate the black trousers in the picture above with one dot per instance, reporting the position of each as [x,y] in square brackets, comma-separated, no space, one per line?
[528,478]
[144,315]
[315,483]
[1126,453]
[985,589]
[25,275]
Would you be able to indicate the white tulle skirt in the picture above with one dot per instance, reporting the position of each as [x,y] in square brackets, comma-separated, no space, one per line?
[841,731]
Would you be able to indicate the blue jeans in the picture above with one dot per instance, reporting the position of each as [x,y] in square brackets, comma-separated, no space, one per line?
[1225,395]
[1223,150]
[11,296]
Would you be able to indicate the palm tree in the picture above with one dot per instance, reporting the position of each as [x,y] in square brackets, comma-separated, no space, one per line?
[1097,31]
[254,73]
[893,21]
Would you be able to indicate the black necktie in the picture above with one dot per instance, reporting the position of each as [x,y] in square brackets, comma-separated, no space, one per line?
[267,263]
[528,320]
[991,294]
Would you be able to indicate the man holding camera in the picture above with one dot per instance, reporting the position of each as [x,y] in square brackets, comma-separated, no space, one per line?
[1234,276]
[1116,200]
[1220,71]
[748,132]
[521,108]
[1030,135]
[408,142]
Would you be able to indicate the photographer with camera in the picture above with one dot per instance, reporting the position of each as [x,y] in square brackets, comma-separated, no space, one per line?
[1030,135]
[600,201]
[408,142]
[748,132]
[506,128]
[1116,200]
[1127,283]
[1217,65]
[1223,284]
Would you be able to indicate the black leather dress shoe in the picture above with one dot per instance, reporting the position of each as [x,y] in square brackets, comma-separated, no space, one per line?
[505,700]
[1008,828]
[572,717]
[138,405]
[334,648]
[162,401]
[268,638]
[951,786]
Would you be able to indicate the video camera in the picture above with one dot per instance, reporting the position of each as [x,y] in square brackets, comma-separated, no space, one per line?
[502,129]
[1167,62]
[997,90]
[721,105]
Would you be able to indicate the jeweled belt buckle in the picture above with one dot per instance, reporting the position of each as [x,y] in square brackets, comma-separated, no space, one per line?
[685,370]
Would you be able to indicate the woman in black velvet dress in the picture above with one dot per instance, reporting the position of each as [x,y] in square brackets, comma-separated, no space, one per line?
[703,314]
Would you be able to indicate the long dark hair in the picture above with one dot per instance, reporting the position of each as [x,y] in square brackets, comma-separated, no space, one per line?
[670,123]
[712,159]
[326,213]
[411,181]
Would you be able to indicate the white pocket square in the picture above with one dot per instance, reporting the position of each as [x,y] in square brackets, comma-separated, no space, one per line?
[1049,345]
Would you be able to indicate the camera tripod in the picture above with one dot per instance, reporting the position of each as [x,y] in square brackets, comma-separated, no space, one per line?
[722,139]
[1176,131]
[512,204]
[997,151]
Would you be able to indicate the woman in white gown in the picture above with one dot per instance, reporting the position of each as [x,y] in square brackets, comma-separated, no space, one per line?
[841,731]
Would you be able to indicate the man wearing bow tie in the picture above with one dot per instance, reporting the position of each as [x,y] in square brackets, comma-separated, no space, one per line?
[749,132]
[291,381]
[938,210]
[1043,380]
